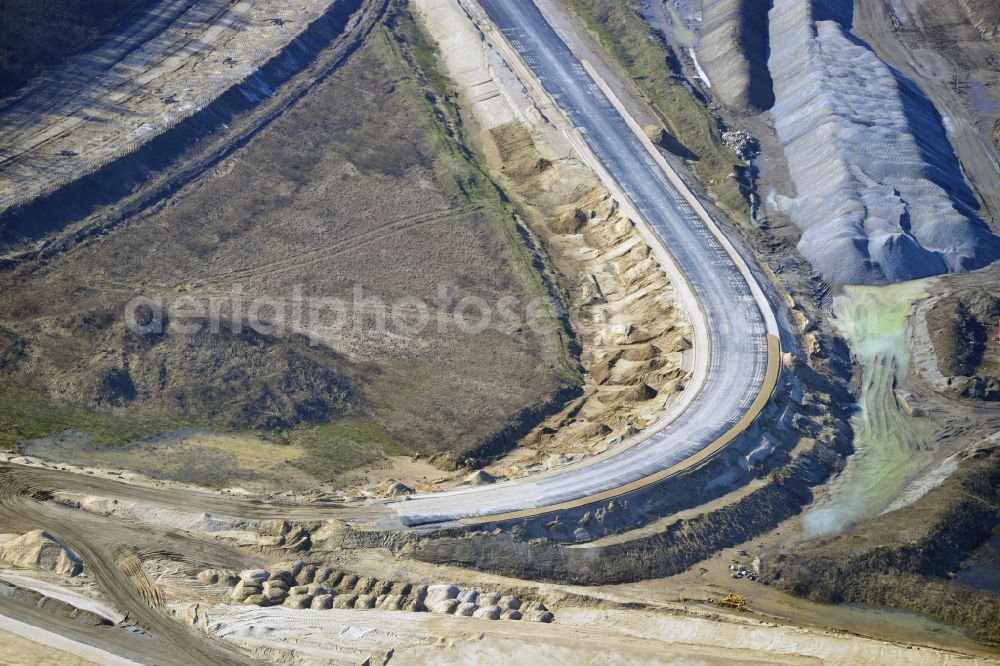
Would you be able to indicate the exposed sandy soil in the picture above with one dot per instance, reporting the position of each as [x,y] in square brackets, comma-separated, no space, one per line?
[17,650]
[590,625]
[592,628]
[581,636]
[631,332]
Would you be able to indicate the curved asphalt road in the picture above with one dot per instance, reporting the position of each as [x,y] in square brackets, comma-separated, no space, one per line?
[736,327]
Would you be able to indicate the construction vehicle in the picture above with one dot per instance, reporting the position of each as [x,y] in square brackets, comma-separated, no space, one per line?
[732,601]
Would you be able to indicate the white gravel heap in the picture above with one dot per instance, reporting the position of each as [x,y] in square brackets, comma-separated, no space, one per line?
[880,197]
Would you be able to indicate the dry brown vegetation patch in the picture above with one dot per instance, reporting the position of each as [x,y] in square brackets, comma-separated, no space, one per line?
[362,184]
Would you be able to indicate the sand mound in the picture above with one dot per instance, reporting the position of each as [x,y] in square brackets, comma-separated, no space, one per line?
[392,488]
[40,550]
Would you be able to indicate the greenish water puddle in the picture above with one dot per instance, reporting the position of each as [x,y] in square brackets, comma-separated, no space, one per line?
[891,448]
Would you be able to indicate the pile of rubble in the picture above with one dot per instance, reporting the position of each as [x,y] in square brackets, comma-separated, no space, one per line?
[309,586]
[742,143]
[741,571]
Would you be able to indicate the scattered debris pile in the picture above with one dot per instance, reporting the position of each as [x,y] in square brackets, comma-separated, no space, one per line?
[741,571]
[392,488]
[633,333]
[742,143]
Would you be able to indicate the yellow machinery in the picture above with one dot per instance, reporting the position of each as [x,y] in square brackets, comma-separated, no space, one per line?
[734,601]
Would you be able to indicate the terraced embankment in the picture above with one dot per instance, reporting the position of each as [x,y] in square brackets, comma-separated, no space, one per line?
[112,122]
[634,338]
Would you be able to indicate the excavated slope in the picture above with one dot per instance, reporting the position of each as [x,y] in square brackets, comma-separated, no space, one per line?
[733,52]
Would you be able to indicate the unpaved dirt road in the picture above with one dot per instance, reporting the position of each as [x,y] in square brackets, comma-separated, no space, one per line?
[104,545]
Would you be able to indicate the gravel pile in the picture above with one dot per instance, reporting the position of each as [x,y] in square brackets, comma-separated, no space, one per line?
[880,195]
[315,587]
